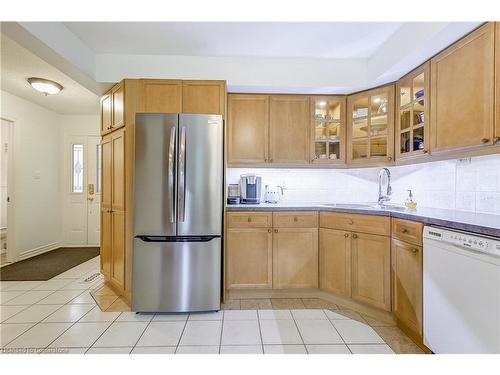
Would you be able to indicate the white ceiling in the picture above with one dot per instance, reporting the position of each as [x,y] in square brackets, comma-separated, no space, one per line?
[330,40]
[18,64]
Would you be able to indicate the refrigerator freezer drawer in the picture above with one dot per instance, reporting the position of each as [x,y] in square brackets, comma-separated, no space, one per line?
[176,276]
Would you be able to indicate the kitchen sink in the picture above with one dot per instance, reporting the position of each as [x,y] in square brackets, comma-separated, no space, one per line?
[367,206]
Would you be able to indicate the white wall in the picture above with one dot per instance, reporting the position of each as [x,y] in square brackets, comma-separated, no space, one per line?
[450,184]
[36,152]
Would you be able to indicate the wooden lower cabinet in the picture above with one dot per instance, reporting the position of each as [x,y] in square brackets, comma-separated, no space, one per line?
[249,257]
[295,258]
[105,242]
[407,271]
[371,264]
[335,261]
[118,248]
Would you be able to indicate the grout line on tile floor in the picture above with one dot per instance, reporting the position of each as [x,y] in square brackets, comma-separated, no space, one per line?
[298,330]
[182,333]
[221,330]
[103,332]
[133,347]
[336,330]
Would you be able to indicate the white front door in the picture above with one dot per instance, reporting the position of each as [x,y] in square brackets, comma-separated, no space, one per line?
[82,187]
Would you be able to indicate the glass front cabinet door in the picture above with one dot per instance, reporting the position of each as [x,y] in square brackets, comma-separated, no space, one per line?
[328,129]
[370,127]
[412,115]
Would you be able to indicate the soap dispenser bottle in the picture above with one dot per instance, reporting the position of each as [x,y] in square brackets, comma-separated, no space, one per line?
[410,203]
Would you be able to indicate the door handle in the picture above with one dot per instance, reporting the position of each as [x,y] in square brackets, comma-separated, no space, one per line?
[90,199]
[182,174]
[171,162]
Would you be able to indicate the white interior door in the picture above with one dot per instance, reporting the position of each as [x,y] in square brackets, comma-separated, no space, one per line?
[82,224]
[5,171]
[93,190]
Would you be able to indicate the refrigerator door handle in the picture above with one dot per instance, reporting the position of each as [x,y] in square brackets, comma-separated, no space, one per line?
[171,161]
[182,174]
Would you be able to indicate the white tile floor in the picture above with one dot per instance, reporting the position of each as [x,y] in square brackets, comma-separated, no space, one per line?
[60,316]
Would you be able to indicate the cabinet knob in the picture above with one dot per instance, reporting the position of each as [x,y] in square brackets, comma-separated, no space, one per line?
[270,160]
[426,151]
[389,158]
[485,140]
[275,231]
[414,250]
[269,230]
[496,139]
[404,230]
[351,222]
[346,235]
[249,219]
[295,219]
[354,235]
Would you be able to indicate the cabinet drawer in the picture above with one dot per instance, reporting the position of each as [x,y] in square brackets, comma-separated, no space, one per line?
[408,231]
[356,223]
[295,219]
[249,219]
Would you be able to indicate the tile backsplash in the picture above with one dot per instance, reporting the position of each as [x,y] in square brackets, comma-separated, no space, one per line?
[468,185]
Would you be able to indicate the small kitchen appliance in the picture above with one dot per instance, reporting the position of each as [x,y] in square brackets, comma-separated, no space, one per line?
[272,195]
[250,185]
[233,194]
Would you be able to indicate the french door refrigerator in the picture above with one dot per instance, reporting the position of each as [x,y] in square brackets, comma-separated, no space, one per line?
[177,212]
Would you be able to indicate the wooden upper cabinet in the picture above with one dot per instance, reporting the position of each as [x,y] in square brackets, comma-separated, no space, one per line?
[247,129]
[370,127]
[118,171]
[335,261]
[462,93]
[371,263]
[328,129]
[295,258]
[162,95]
[118,102]
[289,129]
[497,84]
[412,114]
[208,97]
[407,284]
[106,113]
[106,155]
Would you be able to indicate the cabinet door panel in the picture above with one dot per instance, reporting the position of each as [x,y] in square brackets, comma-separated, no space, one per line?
[335,261]
[206,97]
[106,113]
[248,128]
[462,97]
[118,171]
[497,83]
[407,284]
[106,173]
[105,255]
[117,98]
[371,282]
[249,258]
[295,258]
[162,96]
[118,248]
[289,129]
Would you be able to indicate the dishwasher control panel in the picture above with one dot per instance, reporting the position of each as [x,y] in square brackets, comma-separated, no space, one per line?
[466,240]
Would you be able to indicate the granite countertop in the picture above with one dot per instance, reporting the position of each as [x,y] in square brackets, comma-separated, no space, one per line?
[486,224]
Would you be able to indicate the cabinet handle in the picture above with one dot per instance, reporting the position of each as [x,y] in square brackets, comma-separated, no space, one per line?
[346,235]
[354,235]
[389,158]
[496,139]
[249,219]
[275,231]
[414,250]
[485,140]
[295,219]
[269,230]
[404,230]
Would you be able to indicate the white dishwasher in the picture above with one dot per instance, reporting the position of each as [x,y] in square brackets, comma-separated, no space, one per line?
[461,300]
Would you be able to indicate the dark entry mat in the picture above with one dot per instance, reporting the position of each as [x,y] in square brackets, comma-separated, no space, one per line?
[47,265]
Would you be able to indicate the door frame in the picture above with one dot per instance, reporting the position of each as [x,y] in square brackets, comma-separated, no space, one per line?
[11,231]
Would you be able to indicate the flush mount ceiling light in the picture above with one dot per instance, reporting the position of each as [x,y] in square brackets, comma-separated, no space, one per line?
[45,86]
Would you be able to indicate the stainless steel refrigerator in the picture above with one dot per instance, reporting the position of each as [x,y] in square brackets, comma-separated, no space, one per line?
[178,205]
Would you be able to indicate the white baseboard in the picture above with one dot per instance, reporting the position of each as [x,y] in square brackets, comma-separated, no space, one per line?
[38,250]
[73,245]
